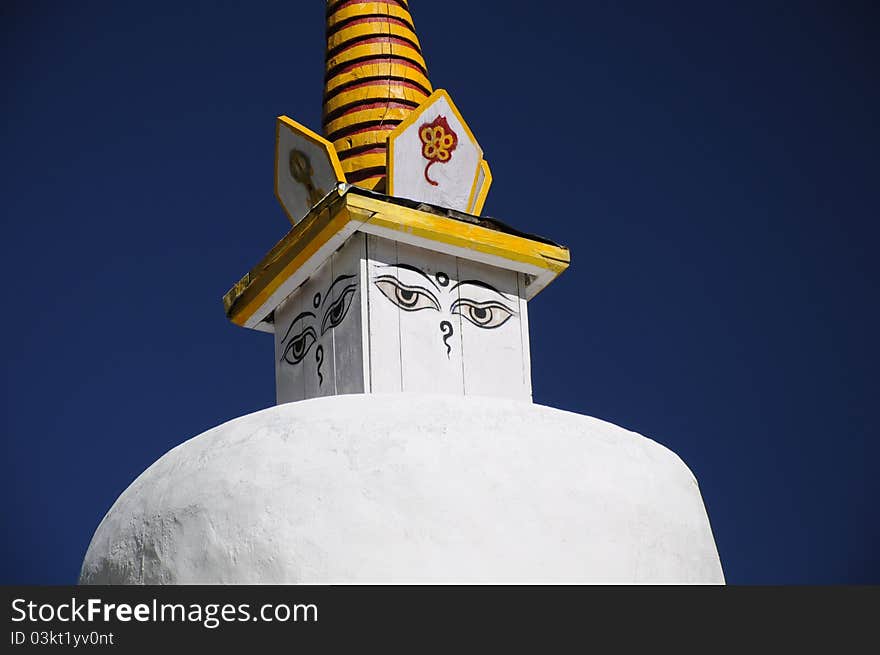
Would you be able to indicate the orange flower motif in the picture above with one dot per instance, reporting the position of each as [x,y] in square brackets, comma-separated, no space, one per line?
[438,142]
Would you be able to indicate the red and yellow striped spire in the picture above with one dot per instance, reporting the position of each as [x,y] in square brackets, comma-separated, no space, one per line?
[375,76]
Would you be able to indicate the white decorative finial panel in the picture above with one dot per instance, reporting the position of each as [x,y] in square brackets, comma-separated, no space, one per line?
[306,168]
[434,157]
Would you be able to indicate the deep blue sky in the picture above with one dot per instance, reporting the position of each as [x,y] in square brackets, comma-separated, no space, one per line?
[712,166]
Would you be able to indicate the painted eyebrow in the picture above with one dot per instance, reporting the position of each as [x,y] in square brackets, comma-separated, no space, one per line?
[335,282]
[478,283]
[407,267]
[293,322]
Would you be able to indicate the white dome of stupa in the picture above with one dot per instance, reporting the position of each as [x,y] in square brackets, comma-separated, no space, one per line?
[409,488]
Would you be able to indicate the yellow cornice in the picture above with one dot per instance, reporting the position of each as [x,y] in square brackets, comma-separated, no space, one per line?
[289,254]
[251,300]
[458,234]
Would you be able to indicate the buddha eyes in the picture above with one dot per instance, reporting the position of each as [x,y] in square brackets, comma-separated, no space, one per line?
[337,311]
[488,315]
[298,344]
[412,298]
[298,347]
[303,332]
[408,298]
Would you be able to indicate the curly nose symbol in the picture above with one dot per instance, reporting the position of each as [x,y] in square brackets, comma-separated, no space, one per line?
[319,357]
[447,331]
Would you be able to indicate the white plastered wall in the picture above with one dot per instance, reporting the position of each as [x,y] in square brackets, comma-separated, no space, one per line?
[319,346]
[412,320]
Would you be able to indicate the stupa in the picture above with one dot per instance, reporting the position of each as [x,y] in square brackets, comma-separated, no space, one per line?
[404,446]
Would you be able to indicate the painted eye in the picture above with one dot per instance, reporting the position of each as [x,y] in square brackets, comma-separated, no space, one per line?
[298,347]
[488,315]
[338,309]
[408,298]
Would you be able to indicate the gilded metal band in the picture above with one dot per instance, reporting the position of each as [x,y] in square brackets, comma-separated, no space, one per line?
[393,84]
[382,112]
[390,67]
[342,136]
[369,178]
[355,165]
[368,10]
[358,19]
[364,137]
[335,5]
[360,32]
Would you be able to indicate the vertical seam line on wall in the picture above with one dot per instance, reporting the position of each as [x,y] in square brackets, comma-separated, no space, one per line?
[399,329]
[460,328]
[366,317]
[333,331]
[522,346]
[524,356]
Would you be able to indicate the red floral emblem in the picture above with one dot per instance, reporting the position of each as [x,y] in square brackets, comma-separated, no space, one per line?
[438,142]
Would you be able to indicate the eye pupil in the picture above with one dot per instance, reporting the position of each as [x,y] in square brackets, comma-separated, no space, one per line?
[408,298]
[488,317]
[337,310]
[299,346]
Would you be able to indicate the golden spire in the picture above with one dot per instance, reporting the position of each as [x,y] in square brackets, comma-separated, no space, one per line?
[375,77]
